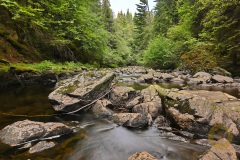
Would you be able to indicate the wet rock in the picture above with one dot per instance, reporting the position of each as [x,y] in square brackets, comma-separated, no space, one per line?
[148,78]
[172,136]
[185,134]
[132,70]
[221,71]
[177,80]
[184,121]
[166,77]
[134,120]
[151,102]
[24,131]
[100,108]
[26,146]
[222,79]
[222,149]
[120,95]
[204,142]
[41,146]
[203,77]
[135,101]
[152,108]
[150,94]
[142,156]
[198,111]
[80,90]
[160,121]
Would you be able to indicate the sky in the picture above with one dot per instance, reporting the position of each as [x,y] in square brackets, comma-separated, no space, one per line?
[118,5]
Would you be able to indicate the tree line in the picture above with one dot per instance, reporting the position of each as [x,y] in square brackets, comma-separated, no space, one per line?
[195,34]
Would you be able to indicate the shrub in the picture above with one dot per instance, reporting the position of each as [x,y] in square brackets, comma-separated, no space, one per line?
[160,54]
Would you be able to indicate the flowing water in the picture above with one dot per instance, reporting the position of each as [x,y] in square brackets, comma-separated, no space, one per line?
[93,138]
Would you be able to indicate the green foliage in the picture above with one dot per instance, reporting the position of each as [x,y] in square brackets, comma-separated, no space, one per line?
[221,26]
[143,21]
[200,58]
[160,54]
[46,65]
[166,15]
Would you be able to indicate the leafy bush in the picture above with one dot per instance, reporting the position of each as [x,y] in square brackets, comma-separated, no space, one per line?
[200,58]
[160,54]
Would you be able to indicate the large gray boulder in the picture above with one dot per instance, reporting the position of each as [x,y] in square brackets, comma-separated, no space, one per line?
[221,149]
[152,108]
[80,90]
[24,131]
[200,78]
[120,95]
[151,102]
[100,108]
[199,111]
[222,79]
[134,120]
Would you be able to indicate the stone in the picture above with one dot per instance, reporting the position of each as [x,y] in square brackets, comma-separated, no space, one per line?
[76,92]
[100,108]
[142,156]
[198,111]
[26,131]
[160,121]
[120,95]
[221,71]
[177,80]
[203,142]
[41,146]
[221,149]
[153,108]
[203,77]
[148,78]
[150,94]
[134,120]
[135,101]
[222,79]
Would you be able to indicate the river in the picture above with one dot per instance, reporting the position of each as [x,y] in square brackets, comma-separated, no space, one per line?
[93,138]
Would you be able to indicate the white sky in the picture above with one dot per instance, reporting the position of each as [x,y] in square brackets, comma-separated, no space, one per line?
[118,5]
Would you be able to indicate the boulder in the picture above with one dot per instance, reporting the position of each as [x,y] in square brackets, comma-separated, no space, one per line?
[150,94]
[120,95]
[148,78]
[41,146]
[199,111]
[221,79]
[142,156]
[177,80]
[25,131]
[221,71]
[134,120]
[152,108]
[152,103]
[160,121]
[74,93]
[200,78]
[135,101]
[100,108]
[222,149]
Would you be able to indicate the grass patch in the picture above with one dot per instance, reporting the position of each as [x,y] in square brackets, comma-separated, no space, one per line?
[45,65]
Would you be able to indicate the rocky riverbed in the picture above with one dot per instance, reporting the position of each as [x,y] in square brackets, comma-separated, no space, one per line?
[135,97]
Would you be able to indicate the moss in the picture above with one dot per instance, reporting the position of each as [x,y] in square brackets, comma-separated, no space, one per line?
[69,88]
[182,106]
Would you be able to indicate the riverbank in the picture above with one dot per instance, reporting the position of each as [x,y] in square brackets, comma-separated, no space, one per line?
[138,99]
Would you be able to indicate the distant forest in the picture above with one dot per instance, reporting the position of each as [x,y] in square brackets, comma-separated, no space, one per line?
[191,34]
